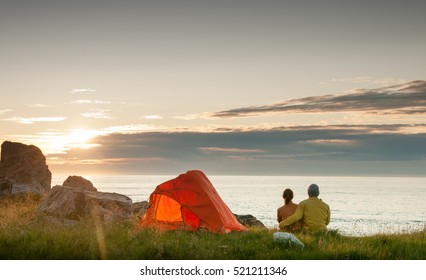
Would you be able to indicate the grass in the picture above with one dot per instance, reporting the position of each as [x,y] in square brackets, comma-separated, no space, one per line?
[24,234]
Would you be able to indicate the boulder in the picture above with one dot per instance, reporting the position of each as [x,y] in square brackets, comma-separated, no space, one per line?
[5,187]
[79,182]
[23,170]
[9,188]
[249,220]
[139,208]
[71,203]
[34,188]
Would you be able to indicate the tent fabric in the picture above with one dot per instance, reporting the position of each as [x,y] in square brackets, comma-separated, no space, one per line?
[189,202]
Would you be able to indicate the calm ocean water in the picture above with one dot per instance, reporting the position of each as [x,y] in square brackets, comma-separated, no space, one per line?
[359,205]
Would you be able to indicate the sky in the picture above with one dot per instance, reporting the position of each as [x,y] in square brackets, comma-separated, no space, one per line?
[228,87]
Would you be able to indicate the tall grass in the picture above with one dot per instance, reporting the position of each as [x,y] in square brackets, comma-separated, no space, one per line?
[25,234]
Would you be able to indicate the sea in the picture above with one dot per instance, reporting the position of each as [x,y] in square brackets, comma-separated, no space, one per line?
[360,206]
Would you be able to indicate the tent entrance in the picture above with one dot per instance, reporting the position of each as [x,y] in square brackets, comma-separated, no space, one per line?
[171,211]
[168,210]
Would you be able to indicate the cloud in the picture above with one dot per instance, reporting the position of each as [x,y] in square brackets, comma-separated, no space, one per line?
[210,150]
[82,90]
[190,117]
[4,111]
[104,161]
[279,150]
[153,117]
[132,128]
[286,150]
[353,80]
[131,103]
[97,114]
[86,101]
[406,98]
[34,120]
[38,105]
[369,80]
[332,141]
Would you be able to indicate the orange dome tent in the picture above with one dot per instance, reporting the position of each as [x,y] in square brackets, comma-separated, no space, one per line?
[189,202]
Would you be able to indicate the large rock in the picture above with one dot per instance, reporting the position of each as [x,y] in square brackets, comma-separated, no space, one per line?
[23,170]
[249,220]
[5,187]
[34,188]
[71,203]
[139,208]
[79,182]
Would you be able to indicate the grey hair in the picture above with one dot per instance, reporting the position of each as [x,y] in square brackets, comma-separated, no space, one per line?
[313,190]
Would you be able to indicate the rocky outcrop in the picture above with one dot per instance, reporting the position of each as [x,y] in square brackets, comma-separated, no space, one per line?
[79,182]
[139,208]
[73,203]
[23,170]
[23,189]
[249,221]
[5,187]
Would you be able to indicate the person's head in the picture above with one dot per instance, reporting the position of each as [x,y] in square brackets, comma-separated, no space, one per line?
[313,190]
[287,195]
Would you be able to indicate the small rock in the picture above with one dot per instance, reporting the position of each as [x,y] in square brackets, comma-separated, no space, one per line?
[79,182]
[249,220]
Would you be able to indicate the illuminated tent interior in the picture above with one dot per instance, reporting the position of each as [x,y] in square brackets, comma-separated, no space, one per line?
[189,202]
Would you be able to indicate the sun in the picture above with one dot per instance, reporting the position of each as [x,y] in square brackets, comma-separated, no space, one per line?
[80,138]
[56,142]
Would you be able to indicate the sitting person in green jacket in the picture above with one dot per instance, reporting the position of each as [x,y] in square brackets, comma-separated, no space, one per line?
[312,212]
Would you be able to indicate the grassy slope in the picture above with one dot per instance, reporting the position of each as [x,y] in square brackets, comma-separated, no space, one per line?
[24,235]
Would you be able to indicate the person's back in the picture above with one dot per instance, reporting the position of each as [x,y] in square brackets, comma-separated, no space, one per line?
[287,209]
[316,214]
[313,212]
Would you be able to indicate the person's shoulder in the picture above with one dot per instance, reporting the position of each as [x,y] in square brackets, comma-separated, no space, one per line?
[303,202]
[328,206]
[325,204]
